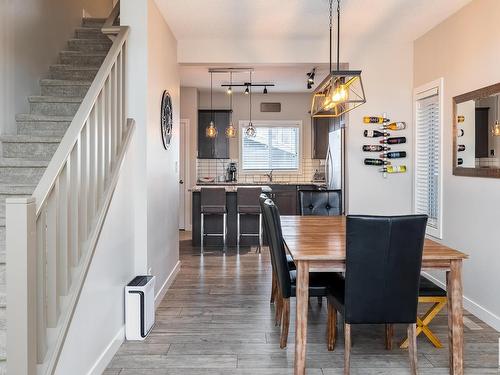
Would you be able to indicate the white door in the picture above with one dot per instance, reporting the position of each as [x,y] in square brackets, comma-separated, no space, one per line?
[183,172]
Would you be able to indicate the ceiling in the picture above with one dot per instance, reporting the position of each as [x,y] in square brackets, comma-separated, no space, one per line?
[302,19]
[286,77]
[227,25]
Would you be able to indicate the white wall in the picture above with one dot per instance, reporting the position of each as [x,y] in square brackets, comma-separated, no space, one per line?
[153,68]
[32,33]
[471,205]
[96,330]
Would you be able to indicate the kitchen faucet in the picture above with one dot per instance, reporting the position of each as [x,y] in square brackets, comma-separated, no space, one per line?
[270,175]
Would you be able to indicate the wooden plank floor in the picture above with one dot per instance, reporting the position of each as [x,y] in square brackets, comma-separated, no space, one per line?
[216,319]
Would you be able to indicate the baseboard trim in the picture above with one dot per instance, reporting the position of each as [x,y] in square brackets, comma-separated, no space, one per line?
[166,285]
[108,353]
[474,308]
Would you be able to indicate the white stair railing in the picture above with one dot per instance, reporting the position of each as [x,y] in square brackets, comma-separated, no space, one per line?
[52,235]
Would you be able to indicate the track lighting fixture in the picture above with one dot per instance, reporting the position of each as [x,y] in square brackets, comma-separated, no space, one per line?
[247,90]
[229,90]
[265,90]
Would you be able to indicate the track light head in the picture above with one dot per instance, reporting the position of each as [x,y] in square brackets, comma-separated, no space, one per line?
[229,90]
[265,90]
[247,91]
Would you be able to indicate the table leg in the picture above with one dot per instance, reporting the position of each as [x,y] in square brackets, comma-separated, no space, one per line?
[301,317]
[455,317]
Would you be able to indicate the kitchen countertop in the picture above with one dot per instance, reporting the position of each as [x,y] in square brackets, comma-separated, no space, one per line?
[316,183]
[230,188]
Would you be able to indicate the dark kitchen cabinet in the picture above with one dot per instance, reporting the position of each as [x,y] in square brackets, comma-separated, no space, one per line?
[285,198]
[320,129]
[213,148]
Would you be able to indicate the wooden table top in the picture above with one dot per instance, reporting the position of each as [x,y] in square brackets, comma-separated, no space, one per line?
[323,238]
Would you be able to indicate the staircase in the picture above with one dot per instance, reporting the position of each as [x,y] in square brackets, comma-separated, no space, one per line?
[26,155]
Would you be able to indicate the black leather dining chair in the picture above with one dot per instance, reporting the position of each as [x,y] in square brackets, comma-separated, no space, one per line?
[291,265]
[286,278]
[320,202]
[381,284]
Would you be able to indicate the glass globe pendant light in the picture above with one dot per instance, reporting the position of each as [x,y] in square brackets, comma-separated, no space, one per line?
[211,130]
[250,130]
[230,130]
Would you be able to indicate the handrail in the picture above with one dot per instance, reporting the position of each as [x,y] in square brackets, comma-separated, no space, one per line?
[56,164]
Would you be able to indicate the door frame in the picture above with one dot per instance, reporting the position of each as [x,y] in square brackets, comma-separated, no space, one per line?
[184,139]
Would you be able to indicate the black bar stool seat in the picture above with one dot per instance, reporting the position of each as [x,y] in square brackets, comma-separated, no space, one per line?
[213,202]
[247,203]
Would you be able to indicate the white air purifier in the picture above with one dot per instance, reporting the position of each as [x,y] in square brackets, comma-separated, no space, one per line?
[139,307]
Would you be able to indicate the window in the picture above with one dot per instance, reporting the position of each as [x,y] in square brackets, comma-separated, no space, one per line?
[428,155]
[276,146]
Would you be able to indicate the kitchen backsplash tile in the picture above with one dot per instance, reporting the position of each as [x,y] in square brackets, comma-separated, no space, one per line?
[216,168]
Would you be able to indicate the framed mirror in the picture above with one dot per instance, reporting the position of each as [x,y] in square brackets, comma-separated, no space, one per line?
[476,133]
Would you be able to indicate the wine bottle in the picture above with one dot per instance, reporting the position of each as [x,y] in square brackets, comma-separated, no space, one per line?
[461,148]
[394,155]
[394,169]
[375,134]
[460,161]
[394,126]
[375,120]
[461,118]
[460,133]
[375,148]
[376,162]
[393,141]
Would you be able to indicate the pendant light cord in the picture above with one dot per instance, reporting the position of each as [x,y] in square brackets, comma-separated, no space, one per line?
[250,97]
[338,34]
[211,98]
[331,28]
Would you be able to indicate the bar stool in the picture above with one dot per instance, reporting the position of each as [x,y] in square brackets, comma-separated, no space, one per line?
[247,203]
[213,202]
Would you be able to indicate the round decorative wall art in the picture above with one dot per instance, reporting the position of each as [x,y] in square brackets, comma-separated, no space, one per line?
[166,119]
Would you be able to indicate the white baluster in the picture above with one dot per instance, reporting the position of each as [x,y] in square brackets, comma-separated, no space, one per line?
[52,261]
[84,187]
[62,230]
[41,283]
[75,214]
[114,113]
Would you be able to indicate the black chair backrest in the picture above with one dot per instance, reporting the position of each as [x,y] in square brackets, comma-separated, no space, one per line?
[383,262]
[277,247]
[320,202]
[213,197]
[248,197]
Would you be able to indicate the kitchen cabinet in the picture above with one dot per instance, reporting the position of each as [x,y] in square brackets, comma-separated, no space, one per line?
[319,136]
[285,198]
[213,148]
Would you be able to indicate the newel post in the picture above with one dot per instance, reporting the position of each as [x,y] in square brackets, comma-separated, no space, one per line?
[21,286]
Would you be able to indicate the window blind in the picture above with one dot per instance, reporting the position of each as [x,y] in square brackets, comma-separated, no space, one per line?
[428,159]
[274,147]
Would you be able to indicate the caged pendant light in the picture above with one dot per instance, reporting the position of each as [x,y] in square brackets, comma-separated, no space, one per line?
[230,130]
[211,130]
[342,90]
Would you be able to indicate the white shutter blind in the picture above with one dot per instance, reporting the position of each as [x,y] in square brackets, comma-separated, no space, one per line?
[274,147]
[427,159]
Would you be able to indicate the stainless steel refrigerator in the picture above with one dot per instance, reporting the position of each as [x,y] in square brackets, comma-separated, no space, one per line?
[335,163]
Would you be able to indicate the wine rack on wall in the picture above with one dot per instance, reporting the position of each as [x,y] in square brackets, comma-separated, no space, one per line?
[390,136]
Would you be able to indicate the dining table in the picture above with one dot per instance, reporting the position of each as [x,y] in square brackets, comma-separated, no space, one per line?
[317,244]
